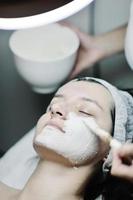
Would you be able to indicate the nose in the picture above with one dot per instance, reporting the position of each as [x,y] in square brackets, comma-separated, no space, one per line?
[58,111]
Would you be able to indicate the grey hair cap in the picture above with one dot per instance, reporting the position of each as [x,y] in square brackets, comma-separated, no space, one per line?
[123,125]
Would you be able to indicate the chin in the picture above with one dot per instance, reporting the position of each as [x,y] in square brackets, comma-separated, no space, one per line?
[50,155]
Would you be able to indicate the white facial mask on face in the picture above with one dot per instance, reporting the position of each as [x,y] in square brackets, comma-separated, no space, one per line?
[77,143]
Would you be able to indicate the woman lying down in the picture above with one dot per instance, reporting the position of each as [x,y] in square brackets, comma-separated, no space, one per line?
[71,154]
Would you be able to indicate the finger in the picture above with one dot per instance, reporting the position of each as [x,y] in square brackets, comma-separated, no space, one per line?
[126,171]
[75,73]
[116,158]
[123,171]
[120,167]
[127,150]
[69,25]
[83,37]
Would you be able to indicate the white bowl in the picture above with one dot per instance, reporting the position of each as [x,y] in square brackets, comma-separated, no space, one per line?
[44,56]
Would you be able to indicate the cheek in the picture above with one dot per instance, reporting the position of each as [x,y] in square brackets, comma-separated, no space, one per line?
[105,122]
[42,122]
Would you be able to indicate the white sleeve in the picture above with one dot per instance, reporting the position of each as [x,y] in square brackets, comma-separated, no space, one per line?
[17,165]
[129,39]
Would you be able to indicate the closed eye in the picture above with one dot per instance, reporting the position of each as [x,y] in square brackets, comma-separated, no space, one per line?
[85,113]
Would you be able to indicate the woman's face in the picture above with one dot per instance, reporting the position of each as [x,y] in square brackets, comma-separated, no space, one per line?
[84,99]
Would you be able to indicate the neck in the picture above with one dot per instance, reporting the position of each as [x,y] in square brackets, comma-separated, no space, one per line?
[53,181]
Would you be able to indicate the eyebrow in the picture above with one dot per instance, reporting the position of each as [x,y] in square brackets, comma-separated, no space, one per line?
[83,98]
[92,101]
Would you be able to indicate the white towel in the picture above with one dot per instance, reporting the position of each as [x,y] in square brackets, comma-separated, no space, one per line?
[17,165]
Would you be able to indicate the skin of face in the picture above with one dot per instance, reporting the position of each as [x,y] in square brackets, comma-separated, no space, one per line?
[87,99]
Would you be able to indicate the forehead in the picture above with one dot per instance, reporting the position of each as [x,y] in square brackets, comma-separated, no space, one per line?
[79,89]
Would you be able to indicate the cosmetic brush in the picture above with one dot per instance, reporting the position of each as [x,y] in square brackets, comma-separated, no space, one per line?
[101,133]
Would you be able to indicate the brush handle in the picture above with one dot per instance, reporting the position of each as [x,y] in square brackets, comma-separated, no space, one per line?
[102,134]
[105,135]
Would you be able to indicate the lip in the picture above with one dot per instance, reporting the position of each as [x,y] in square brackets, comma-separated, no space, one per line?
[55,125]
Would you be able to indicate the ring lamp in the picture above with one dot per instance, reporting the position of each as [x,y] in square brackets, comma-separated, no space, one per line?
[51,11]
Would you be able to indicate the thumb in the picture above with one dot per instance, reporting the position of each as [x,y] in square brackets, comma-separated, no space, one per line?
[75,72]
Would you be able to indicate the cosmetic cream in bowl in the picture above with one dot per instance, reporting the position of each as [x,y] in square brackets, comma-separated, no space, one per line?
[44,56]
